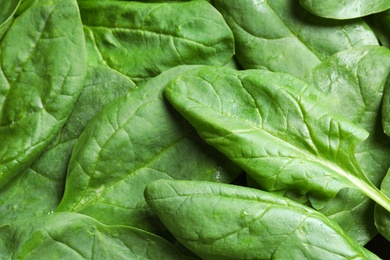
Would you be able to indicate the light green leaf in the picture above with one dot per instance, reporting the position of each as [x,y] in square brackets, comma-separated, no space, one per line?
[74,236]
[141,40]
[345,9]
[281,36]
[134,140]
[266,124]
[222,221]
[39,84]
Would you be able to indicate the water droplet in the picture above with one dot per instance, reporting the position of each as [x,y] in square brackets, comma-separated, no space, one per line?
[246,213]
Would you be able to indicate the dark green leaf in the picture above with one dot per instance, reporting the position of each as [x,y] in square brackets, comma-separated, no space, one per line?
[221,221]
[386,108]
[7,11]
[382,217]
[381,25]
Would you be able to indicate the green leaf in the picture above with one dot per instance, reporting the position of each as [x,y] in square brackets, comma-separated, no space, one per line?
[281,36]
[223,221]
[380,23]
[266,124]
[382,217]
[355,90]
[38,83]
[40,188]
[74,236]
[386,108]
[141,40]
[134,140]
[345,9]
[7,11]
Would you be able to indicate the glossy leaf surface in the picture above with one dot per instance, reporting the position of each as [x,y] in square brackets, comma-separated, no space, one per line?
[281,36]
[283,138]
[356,91]
[134,140]
[345,9]
[220,221]
[40,188]
[141,40]
[32,54]
[74,236]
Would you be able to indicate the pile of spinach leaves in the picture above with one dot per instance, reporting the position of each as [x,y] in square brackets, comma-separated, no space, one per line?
[168,129]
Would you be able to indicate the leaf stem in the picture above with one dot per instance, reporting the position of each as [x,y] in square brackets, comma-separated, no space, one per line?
[373,193]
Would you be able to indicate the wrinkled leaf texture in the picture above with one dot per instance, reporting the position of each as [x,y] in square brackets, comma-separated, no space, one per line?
[269,126]
[32,54]
[355,90]
[282,36]
[40,188]
[75,236]
[141,40]
[132,141]
[220,221]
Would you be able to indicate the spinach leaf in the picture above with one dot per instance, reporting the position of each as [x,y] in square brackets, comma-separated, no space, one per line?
[356,91]
[344,9]
[40,188]
[74,236]
[132,141]
[281,36]
[32,54]
[380,23]
[382,217]
[7,11]
[141,40]
[220,221]
[280,136]
[386,108]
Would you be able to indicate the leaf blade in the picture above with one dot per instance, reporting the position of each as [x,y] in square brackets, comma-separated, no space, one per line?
[229,222]
[136,139]
[142,45]
[344,10]
[310,143]
[31,117]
